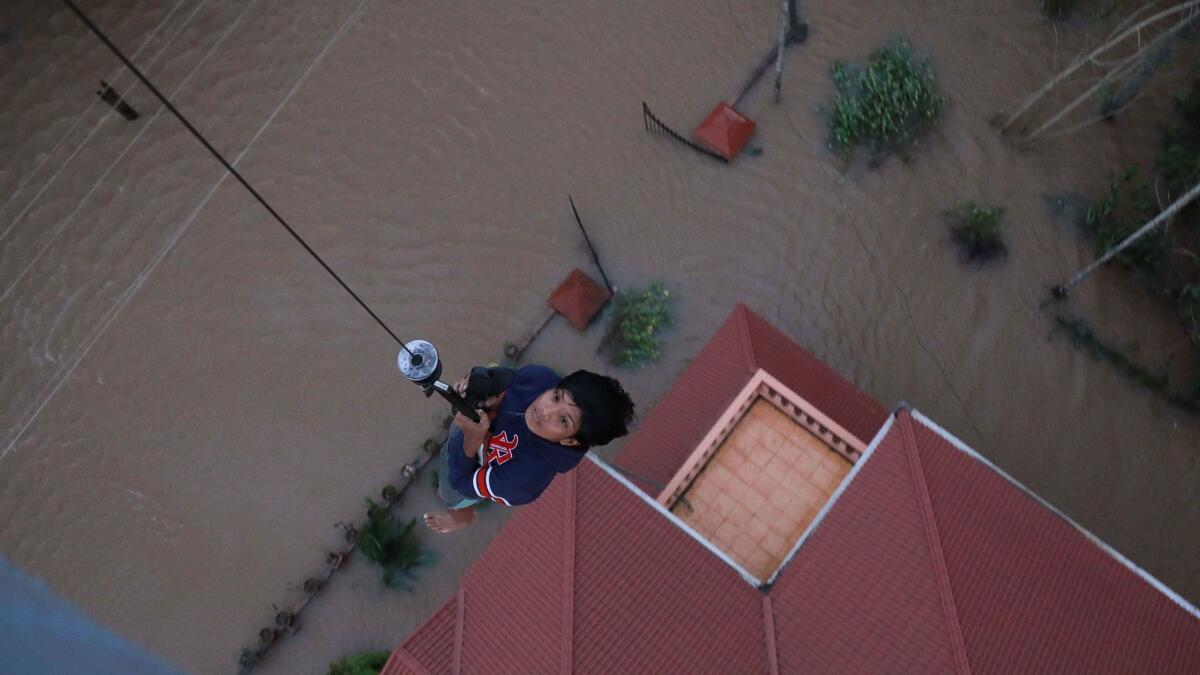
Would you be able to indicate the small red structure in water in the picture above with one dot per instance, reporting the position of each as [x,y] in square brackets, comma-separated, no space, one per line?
[579,298]
[725,130]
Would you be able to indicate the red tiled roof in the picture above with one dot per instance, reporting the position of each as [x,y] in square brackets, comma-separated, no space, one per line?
[927,560]
[742,345]
[561,590]
[1032,592]
[869,569]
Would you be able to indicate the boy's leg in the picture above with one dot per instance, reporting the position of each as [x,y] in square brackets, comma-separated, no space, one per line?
[460,509]
[450,520]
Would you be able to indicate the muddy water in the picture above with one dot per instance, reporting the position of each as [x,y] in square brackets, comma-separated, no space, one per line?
[189,404]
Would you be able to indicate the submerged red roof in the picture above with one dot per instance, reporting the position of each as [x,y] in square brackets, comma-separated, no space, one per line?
[725,130]
[926,560]
[579,299]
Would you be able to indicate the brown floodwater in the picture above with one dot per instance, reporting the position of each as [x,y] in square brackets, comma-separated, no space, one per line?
[188,404]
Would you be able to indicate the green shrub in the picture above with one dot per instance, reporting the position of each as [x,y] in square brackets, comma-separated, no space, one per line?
[885,105]
[976,228]
[1128,205]
[1178,160]
[635,319]
[365,663]
[392,547]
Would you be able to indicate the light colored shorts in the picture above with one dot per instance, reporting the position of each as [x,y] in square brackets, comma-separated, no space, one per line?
[453,499]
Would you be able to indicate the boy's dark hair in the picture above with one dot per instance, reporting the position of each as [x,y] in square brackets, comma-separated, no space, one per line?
[607,411]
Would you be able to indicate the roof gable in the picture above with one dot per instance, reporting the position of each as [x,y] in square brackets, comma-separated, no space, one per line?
[862,594]
[593,578]
[649,597]
[1034,594]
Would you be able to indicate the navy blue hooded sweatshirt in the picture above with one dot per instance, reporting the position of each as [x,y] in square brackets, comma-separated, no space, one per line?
[517,465]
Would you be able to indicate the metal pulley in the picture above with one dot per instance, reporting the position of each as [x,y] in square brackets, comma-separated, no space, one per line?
[419,362]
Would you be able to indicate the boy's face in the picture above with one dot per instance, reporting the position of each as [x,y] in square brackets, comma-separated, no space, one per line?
[554,416]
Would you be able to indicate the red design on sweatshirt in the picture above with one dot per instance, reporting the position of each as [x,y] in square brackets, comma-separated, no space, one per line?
[500,448]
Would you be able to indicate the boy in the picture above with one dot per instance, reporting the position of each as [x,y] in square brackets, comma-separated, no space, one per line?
[537,427]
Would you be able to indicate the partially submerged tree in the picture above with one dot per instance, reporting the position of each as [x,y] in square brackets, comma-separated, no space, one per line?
[1112,75]
[1062,289]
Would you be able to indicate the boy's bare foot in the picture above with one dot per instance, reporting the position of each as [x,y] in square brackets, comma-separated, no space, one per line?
[449,521]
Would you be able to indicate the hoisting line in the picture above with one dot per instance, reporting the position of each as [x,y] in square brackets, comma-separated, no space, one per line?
[228,167]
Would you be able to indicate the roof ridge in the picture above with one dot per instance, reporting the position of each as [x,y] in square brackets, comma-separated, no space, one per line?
[743,323]
[769,631]
[568,599]
[934,539]
[1091,537]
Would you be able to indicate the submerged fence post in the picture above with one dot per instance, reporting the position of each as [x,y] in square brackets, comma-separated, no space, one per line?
[793,32]
[656,126]
[784,23]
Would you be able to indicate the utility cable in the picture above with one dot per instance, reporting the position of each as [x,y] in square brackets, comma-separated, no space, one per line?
[228,167]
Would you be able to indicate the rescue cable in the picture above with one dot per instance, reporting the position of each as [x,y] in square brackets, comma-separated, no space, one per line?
[220,158]
[418,360]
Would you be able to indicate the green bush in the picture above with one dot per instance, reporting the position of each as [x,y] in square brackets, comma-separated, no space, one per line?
[392,547]
[635,319]
[885,105]
[976,228]
[1178,160]
[1128,205]
[365,663]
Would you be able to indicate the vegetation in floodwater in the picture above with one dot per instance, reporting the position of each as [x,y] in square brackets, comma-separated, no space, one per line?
[1082,337]
[393,547]
[1178,160]
[364,663]
[976,228]
[1167,260]
[885,105]
[435,478]
[635,319]
[1126,207]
